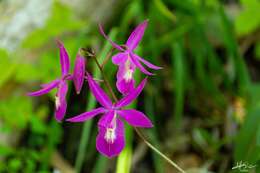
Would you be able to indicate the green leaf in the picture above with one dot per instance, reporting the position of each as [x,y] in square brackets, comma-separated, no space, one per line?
[15,164]
[16,111]
[249,18]
[26,71]
[125,157]
[101,164]
[178,62]
[246,147]
[7,68]
[38,125]
[258,137]
[5,150]
[164,10]
[257,50]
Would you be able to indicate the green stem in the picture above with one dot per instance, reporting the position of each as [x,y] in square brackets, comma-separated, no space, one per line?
[91,104]
[105,79]
[158,151]
[137,130]
[84,137]
[82,145]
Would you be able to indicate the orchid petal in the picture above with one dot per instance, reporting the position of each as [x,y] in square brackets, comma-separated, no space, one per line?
[111,149]
[139,65]
[135,118]
[50,83]
[120,72]
[119,58]
[86,115]
[61,111]
[106,119]
[108,39]
[61,103]
[68,77]
[124,67]
[64,59]
[136,35]
[131,96]
[125,83]
[79,73]
[47,88]
[99,93]
[125,87]
[147,63]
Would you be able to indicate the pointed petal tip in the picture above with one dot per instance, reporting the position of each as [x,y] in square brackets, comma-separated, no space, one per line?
[69,120]
[147,72]
[72,120]
[149,126]
[64,58]
[29,94]
[115,45]
[79,73]
[147,63]
[58,120]
[146,21]
[58,42]
[135,118]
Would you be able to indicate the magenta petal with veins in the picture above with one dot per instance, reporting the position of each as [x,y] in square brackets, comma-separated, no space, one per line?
[79,73]
[110,140]
[60,84]
[127,55]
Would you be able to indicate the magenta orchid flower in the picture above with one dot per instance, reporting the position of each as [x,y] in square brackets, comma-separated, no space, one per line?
[127,60]
[111,140]
[61,83]
[79,73]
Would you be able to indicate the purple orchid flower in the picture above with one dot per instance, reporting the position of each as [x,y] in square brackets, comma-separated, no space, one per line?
[111,140]
[127,60]
[61,84]
[79,73]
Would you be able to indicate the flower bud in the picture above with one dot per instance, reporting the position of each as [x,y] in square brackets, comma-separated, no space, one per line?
[79,73]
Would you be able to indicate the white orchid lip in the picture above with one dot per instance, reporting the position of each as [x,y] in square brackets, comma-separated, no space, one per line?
[57,102]
[128,75]
[110,135]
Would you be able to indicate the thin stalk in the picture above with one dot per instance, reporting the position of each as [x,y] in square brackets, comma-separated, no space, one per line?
[158,151]
[84,139]
[107,58]
[136,129]
[105,79]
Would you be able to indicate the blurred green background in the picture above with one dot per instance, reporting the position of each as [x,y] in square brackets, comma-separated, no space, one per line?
[205,103]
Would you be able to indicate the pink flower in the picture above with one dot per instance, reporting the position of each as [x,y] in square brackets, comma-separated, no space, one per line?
[127,60]
[110,140]
[61,83]
[79,73]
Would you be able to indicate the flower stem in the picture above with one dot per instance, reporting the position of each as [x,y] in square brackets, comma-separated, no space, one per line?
[107,58]
[136,129]
[105,79]
[157,151]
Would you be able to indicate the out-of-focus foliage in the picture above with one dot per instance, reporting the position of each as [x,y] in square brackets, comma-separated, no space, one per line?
[28,138]
[249,18]
[204,103]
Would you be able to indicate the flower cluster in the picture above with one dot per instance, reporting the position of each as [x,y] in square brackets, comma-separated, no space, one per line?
[111,139]
[61,83]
